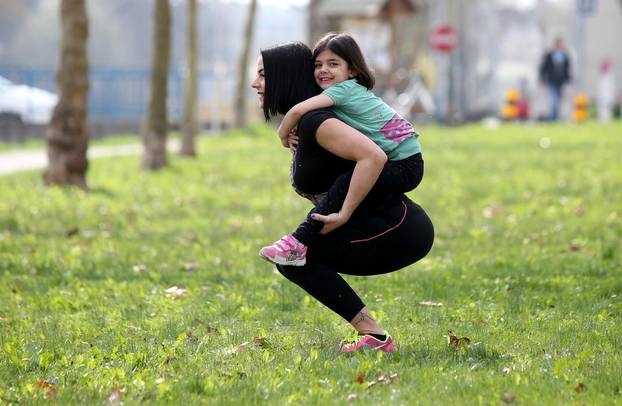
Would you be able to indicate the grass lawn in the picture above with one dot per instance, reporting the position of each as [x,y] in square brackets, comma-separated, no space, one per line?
[526,264]
[109,140]
[39,143]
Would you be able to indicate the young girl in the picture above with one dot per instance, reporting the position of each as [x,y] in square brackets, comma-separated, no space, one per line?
[346,81]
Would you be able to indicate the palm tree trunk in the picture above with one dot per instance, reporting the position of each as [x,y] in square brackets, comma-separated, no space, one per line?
[156,126]
[68,132]
[240,101]
[189,126]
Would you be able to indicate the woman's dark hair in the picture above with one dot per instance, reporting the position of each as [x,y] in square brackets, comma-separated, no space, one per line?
[347,49]
[288,73]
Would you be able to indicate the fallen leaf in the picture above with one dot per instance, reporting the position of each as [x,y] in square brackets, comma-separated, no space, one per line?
[481,322]
[241,347]
[386,379]
[491,211]
[174,292]
[580,388]
[50,393]
[360,378]
[140,268]
[191,337]
[115,396]
[508,397]
[431,304]
[457,341]
[85,242]
[579,211]
[259,341]
[256,342]
[50,390]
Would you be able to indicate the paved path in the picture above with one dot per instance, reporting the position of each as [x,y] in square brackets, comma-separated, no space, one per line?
[24,160]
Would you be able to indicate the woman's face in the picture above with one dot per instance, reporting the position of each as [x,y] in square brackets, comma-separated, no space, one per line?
[259,83]
[331,69]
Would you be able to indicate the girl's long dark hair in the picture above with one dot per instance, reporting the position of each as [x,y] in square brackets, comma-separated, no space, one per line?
[346,48]
[288,73]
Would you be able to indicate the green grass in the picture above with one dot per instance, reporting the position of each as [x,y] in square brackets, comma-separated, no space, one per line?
[113,139]
[526,264]
[37,143]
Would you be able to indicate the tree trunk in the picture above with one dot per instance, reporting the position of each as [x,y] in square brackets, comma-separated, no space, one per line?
[243,82]
[189,126]
[156,123]
[312,22]
[68,132]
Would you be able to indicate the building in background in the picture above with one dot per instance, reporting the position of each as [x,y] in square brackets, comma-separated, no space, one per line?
[498,45]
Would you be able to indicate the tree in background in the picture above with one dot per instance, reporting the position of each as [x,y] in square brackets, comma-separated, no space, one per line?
[155,129]
[189,125]
[243,82]
[68,132]
[312,22]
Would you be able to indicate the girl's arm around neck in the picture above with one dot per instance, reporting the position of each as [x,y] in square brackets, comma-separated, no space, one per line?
[291,119]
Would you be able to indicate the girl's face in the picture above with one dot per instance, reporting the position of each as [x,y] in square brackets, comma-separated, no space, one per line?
[259,83]
[331,69]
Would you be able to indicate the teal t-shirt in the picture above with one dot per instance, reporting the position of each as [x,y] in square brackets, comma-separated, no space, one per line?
[363,110]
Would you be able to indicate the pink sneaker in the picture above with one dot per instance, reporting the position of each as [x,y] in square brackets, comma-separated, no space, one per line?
[286,251]
[367,340]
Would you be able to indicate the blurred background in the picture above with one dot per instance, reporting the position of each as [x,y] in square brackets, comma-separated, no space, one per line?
[448,61]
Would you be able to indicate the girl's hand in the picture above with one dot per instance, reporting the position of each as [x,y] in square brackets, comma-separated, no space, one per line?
[292,140]
[283,135]
[331,221]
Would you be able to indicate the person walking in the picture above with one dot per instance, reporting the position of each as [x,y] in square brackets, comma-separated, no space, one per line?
[554,74]
[606,91]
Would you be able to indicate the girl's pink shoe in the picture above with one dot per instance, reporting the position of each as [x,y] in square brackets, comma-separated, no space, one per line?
[286,251]
[369,341]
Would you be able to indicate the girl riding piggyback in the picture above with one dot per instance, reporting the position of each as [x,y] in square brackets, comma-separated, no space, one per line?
[346,82]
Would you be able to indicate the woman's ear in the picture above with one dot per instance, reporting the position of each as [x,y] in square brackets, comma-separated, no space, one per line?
[352,73]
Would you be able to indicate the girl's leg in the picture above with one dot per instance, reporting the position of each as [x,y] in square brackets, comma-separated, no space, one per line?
[396,176]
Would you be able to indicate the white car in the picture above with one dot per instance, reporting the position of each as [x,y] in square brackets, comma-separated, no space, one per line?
[31,104]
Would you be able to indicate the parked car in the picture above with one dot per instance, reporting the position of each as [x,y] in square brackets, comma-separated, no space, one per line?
[27,103]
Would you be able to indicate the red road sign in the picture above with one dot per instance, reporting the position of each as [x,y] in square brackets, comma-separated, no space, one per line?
[443,38]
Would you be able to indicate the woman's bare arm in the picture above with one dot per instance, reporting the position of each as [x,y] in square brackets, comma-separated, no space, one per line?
[348,143]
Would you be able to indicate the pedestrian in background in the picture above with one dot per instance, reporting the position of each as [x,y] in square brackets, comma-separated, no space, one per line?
[555,73]
[606,91]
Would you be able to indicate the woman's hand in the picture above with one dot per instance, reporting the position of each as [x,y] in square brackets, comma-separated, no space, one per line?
[331,221]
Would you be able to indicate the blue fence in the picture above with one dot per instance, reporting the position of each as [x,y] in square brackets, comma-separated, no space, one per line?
[115,93]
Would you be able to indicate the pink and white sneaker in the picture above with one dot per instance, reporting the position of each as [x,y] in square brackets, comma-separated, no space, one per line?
[371,342]
[286,251]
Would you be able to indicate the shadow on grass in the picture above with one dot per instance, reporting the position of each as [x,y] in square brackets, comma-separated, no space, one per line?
[474,356]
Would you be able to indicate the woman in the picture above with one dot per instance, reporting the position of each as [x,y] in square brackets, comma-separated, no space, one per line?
[381,232]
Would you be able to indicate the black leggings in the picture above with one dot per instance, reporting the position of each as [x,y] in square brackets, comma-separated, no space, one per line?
[395,235]
[396,176]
